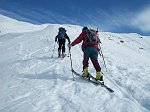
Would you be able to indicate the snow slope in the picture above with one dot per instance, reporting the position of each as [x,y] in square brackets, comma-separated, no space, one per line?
[32,81]
[8,25]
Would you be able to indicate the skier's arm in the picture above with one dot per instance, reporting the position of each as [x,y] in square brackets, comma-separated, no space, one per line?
[78,39]
[98,37]
[66,36]
[56,39]
[99,40]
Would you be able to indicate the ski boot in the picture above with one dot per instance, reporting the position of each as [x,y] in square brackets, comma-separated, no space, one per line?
[99,77]
[59,54]
[85,72]
[63,54]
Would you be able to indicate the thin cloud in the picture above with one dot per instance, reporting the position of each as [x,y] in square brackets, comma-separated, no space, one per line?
[17,16]
[113,21]
[142,20]
[122,21]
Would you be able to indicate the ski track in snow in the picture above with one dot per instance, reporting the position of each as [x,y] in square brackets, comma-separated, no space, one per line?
[33,81]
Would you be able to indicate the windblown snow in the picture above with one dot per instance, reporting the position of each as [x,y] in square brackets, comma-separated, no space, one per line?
[31,80]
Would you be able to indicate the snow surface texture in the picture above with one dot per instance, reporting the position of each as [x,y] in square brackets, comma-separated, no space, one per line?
[32,81]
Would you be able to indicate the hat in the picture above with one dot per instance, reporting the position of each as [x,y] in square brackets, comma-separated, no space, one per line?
[85,29]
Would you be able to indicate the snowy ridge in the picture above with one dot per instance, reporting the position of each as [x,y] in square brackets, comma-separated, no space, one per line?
[8,25]
[31,80]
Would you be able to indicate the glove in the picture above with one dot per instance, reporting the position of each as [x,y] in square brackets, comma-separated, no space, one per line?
[69,45]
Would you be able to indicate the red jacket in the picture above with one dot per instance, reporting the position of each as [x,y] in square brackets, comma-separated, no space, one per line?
[82,37]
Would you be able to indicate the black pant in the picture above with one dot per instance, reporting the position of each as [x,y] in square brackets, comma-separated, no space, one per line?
[61,43]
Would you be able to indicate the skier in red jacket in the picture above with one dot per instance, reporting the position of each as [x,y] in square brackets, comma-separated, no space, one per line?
[90,49]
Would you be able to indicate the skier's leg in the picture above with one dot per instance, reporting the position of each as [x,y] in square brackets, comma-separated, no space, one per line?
[63,48]
[85,61]
[59,48]
[94,59]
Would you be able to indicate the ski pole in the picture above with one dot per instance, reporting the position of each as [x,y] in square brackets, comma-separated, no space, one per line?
[101,54]
[68,52]
[71,62]
[99,40]
[53,49]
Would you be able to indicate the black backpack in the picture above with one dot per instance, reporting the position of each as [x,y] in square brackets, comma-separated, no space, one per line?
[61,33]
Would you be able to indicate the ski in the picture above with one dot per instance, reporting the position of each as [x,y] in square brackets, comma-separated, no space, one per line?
[93,81]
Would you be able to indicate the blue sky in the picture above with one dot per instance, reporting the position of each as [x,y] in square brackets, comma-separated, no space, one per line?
[120,16]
